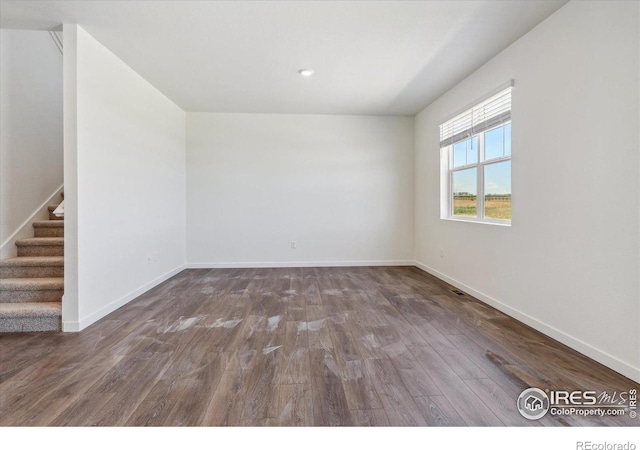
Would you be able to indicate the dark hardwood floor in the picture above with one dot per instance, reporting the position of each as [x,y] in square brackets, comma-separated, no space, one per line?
[358,346]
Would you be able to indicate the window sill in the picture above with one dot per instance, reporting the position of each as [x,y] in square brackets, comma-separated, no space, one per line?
[500,223]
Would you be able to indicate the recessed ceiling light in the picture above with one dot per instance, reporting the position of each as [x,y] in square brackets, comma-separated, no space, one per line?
[306,72]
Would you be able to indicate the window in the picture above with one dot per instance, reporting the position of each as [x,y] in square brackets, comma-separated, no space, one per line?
[475,151]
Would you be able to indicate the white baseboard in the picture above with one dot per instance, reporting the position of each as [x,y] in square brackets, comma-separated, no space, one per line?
[260,265]
[108,309]
[602,357]
[8,248]
[70,326]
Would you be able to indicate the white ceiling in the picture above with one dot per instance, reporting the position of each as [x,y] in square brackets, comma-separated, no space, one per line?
[369,57]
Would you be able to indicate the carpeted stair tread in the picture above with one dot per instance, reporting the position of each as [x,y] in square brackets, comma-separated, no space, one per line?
[31,284]
[32,267]
[48,224]
[41,246]
[33,261]
[12,310]
[43,241]
[48,228]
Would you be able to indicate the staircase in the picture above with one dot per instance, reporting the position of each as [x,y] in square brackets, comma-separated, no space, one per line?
[31,285]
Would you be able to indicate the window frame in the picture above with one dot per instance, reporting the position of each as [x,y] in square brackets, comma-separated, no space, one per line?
[486,114]
[480,169]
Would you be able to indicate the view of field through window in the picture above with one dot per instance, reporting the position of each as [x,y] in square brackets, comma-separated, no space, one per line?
[494,207]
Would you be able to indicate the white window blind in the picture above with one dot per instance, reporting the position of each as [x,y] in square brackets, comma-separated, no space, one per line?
[487,114]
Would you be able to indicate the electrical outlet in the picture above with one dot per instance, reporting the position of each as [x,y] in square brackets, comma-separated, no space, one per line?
[442,255]
[293,244]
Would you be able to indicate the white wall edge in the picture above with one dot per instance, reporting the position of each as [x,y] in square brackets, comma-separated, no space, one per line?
[260,265]
[25,230]
[598,355]
[108,309]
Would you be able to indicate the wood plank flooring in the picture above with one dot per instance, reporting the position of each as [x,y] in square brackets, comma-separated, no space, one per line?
[364,346]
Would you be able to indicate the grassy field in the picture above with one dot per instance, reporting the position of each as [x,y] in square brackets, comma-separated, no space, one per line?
[493,209]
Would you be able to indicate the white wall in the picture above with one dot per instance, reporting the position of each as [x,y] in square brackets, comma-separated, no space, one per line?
[569,264]
[70,305]
[130,195]
[340,186]
[30,131]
